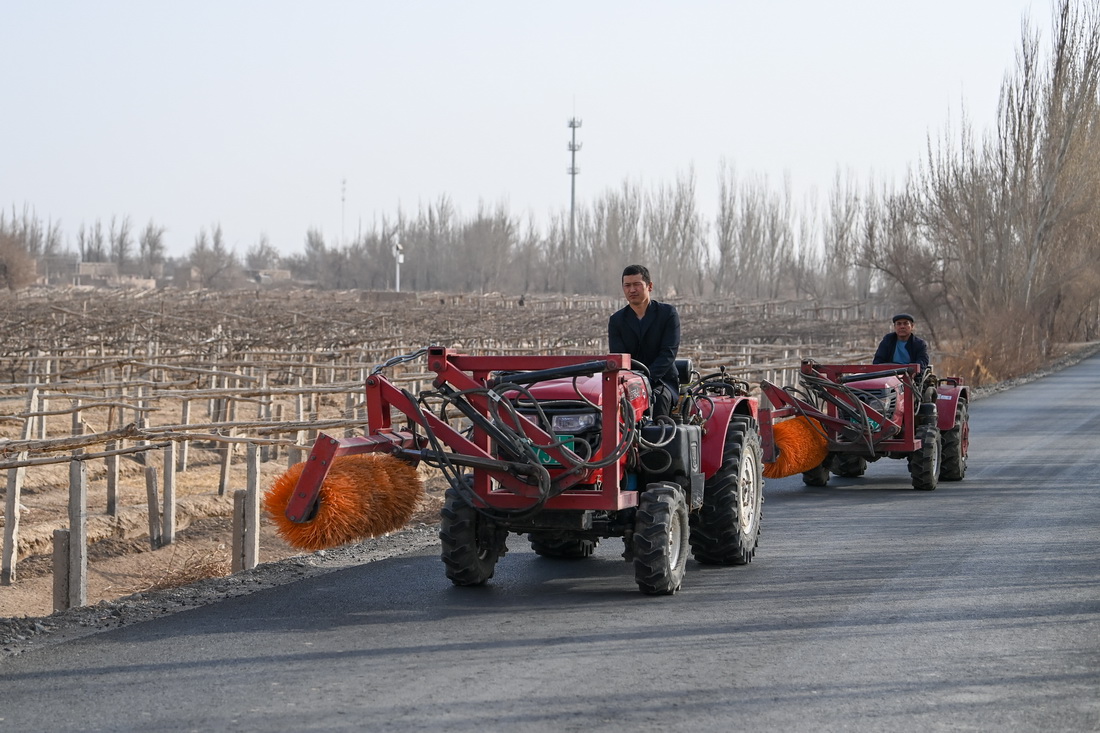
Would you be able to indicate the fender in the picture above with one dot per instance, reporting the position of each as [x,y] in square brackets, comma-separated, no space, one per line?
[947,404]
[717,424]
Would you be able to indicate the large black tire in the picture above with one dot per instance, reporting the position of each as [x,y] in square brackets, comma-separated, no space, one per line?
[924,463]
[726,530]
[849,465]
[472,543]
[953,467]
[661,539]
[818,476]
[561,544]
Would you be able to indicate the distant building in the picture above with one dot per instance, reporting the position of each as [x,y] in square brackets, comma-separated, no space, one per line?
[57,269]
[268,276]
[187,277]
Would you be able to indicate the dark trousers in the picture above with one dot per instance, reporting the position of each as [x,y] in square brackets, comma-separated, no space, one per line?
[662,400]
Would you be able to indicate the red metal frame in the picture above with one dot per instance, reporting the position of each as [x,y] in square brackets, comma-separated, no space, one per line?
[890,435]
[497,487]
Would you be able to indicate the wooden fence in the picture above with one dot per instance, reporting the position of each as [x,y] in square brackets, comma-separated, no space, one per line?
[152,402]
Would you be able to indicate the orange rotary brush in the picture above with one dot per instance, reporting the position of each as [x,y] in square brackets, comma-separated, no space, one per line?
[802,445]
[362,496]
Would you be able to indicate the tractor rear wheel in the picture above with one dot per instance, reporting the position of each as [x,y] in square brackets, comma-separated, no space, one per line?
[849,465]
[924,463]
[725,531]
[557,544]
[661,539]
[954,445]
[472,543]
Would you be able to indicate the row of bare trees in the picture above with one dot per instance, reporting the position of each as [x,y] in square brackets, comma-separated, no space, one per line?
[998,239]
[995,238]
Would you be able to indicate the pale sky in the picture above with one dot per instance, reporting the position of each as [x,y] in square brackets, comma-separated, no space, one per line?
[253,114]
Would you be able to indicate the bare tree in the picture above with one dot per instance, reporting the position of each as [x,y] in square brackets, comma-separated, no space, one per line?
[487,245]
[841,238]
[92,243]
[808,261]
[262,255]
[37,238]
[1014,220]
[673,236]
[120,241]
[725,262]
[216,264]
[151,248]
[16,265]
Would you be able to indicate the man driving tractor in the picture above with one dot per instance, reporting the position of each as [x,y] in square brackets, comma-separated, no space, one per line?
[650,332]
[902,346]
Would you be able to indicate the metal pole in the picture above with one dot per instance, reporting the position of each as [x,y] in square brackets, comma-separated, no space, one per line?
[398,258]
[573,146]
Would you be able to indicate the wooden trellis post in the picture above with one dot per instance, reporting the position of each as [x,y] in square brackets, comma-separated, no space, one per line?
[252,509]
[153,504]
[246,516]
[168,529]
[185,419]
[61,570]
[226,448]
[12,508]
[78,533]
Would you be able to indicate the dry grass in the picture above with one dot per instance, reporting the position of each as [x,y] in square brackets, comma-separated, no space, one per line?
[184,566]
[996,349]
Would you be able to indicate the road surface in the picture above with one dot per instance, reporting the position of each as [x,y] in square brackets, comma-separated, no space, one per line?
[869,607]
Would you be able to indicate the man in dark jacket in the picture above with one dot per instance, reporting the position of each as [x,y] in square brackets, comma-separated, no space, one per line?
[650,332]
[902,346]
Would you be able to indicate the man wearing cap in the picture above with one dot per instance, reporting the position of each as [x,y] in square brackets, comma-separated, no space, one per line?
[902,346]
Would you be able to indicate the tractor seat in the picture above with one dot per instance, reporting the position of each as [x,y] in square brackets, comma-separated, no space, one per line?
[683,370]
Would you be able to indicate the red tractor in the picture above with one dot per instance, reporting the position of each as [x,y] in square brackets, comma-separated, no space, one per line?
[864,412]
[566,450]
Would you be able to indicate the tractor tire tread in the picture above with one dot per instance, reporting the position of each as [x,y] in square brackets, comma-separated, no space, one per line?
[657,569]
[717,535]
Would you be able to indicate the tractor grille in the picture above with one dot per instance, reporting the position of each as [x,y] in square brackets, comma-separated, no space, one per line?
[884,401]
[590,435]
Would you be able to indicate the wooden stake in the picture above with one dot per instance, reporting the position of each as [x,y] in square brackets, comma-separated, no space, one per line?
[168,531]
[78,534]
[185,418]
[112,480]
[240,499]
[12,507]
[154,512]
[252,510]
[61,570]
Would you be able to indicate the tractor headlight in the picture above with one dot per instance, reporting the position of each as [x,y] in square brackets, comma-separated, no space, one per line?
[572,424]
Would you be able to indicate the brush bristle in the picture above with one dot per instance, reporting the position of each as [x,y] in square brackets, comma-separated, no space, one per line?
[362,496]
[802,446]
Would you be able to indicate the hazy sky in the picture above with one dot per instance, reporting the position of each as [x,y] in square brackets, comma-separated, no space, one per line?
[252,114]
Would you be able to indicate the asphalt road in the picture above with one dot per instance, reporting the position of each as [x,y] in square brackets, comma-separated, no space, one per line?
[869,607]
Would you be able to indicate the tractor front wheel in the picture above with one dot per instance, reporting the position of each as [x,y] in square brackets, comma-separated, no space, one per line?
[924,463]
[955,444]
[471,542]
[849,465]
[661,539]
[725,531]
[548,544]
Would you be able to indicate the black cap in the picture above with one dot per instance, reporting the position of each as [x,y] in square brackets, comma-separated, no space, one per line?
[904,316]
